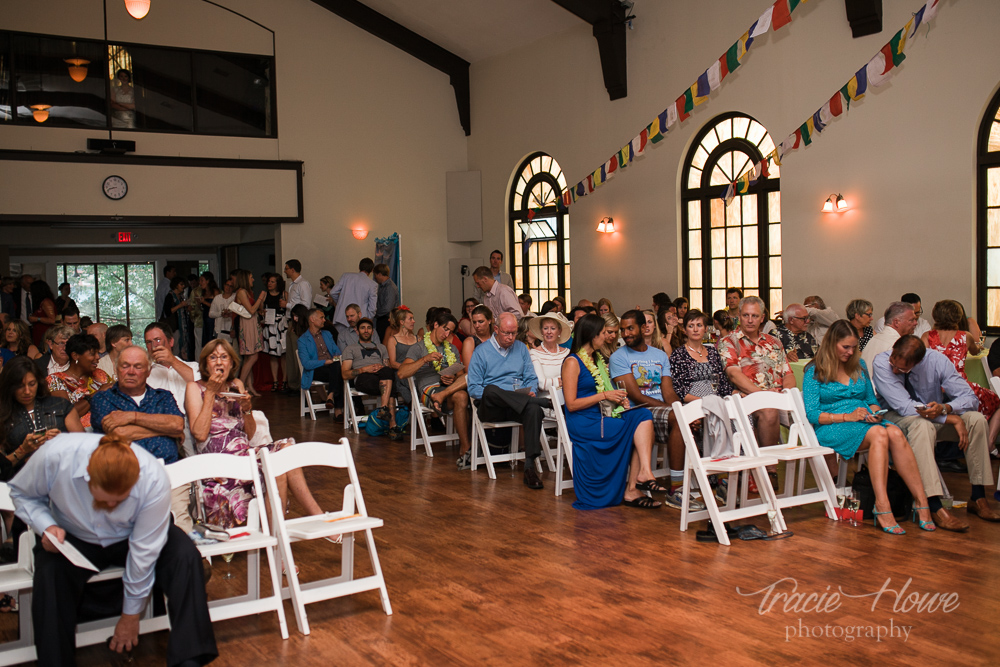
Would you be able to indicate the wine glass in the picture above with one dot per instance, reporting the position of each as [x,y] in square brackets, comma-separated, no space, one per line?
[229,569]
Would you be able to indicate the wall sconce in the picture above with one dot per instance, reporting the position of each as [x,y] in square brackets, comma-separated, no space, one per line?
[360,234]
[40,112]
[77,69]
[606,225]
[835,204]
[137,8]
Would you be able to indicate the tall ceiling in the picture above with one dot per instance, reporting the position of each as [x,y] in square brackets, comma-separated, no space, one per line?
[478,29]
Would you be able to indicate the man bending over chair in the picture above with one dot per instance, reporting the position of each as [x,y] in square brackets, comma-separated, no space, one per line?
[424,363]
[111,501]
[499,367]
[367,363]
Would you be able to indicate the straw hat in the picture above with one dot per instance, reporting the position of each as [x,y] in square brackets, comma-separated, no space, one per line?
[535,326]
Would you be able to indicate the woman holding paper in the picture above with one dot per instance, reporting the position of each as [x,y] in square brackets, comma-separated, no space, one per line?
[275,325]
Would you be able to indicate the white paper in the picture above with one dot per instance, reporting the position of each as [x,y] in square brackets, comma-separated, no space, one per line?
[454,369]
[269,315]
[72,554]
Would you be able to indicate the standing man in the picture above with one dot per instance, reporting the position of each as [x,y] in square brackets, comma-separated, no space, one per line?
[900,321]
[756,362]
[299,292]
[496,261]
[794,333]
[733,297]
[111,500]
[169,273]
[22,299]
[355,288]
[388,299]
[496,296]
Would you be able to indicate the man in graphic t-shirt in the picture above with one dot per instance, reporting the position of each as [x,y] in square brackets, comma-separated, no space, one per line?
[645,372]
[367,363]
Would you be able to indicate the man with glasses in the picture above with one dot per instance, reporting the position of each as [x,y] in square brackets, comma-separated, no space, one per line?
[901,320]
[756,362]
[929,400]
[794,334]
[502,381]
[922,326]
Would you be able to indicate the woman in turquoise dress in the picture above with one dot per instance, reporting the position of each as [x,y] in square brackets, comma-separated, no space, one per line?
[841,405]
[606,450]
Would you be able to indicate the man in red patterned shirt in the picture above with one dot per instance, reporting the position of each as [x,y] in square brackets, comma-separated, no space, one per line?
[754,362]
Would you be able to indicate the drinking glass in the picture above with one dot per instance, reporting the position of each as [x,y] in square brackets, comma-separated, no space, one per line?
[229,568]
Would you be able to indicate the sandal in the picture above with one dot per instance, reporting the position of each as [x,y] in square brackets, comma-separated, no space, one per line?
[330,404]
[651,485]
[643,502]
[8,604]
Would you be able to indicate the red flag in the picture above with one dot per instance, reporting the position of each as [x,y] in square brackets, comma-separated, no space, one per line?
[798,138]
[612,164]
[781,16]
[723,67]
[764,173]
[836,104]
[681,116]
[887,52]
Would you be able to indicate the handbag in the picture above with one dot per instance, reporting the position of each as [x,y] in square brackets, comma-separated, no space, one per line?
[900,498]
[239,310]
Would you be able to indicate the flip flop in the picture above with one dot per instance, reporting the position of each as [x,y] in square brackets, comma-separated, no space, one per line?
[643,502]
[651,485]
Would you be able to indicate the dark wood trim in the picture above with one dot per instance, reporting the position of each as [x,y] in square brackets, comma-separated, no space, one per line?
[608,17]
[416,45]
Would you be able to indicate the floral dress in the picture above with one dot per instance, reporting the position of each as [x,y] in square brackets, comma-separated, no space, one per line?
[227,502]
[78,388]
[957,350]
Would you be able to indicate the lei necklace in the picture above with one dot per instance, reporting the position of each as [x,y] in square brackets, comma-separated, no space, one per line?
[594,370]
[449,354]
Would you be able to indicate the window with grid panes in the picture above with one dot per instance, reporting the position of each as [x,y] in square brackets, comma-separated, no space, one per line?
[988,213]
[113,293]
[734,245]
[538,258]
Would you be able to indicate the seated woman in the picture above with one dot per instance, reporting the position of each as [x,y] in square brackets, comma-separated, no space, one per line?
[54,358]
[320,358]
[524,332]
[697,369]
[552,329]
[604,307]
[859,313]
[83,378]
[44,316]
[682,306]
[17,340]
[607,451]
[948,338]
[612,339]
[116,339]
[666,324]
[219,425]
[402,320]
[482,329]
[650,332]
[465,324]
[841,403]
[722,323]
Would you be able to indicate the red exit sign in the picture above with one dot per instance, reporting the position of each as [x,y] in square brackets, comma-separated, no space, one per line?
[124,237]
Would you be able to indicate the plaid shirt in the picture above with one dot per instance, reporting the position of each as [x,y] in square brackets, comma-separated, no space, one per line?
[155,402]
[763,363]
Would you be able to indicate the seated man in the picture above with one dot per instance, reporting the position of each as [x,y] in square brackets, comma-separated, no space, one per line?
[755,362]
[500,367]
[820,317]
[98,331]
[524,300]
[170,372]
[424,363]
[913,384]
[320,359]
[922,326]
[794,334]
[347,336]
[901,320]
[367,363]
[112,502]
[645,372]
[71,318]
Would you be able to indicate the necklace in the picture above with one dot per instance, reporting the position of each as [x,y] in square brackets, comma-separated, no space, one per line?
[594,370]
[449,354]
[695,354]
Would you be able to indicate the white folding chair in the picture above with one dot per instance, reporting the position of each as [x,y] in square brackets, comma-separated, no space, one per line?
[18,578]
[481,448]
[353,518]
[351,418]
[989,373]
[305,395]
[702,467]
[244,469]
[801,448]
[564,446]
[417,412]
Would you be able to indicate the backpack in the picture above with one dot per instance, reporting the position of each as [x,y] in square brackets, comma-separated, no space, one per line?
[376,426]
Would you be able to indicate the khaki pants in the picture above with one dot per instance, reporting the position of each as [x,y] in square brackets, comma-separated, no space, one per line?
[923,433]
[179,503]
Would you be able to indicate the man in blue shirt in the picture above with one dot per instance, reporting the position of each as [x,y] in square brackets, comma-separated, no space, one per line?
[502,380]
[111,501]
[927,398]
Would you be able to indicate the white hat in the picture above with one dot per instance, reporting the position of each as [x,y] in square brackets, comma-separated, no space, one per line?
[566,327]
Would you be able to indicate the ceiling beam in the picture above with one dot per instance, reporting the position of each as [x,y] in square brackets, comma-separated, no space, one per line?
[417,46]
[608,18]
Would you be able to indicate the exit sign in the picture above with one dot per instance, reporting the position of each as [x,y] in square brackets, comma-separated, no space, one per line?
[124,237]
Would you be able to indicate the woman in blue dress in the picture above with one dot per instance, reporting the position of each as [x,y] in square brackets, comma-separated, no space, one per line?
[605,449]
[841,405]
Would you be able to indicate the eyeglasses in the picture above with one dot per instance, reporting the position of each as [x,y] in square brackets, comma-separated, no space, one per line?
[797,317]
[506,333]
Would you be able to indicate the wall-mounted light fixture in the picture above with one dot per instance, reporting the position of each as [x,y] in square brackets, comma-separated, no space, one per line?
[360,234]
[137,8]
[606,225]
[77,69]
[835,204]
[40,112]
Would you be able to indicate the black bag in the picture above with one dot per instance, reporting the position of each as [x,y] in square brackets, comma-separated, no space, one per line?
[900,498]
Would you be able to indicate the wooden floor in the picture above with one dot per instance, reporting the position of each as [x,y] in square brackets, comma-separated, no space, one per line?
[484,572]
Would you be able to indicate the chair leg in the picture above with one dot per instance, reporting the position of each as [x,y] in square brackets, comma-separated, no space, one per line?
[377,568]
[276,589]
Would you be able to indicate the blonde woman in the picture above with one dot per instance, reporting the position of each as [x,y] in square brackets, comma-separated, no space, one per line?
[604,307]
[611,339]
[650,332]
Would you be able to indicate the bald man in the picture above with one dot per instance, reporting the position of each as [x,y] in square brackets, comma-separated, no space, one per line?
[502,382]
[98,331]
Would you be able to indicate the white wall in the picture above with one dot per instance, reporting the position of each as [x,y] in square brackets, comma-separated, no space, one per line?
[904,156]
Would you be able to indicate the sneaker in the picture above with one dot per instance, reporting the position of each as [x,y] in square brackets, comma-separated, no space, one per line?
[464,461]
[676,501]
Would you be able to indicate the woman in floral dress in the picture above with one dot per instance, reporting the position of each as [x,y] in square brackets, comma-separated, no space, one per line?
[83,378]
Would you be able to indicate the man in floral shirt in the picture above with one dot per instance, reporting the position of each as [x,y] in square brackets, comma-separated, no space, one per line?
[754,362]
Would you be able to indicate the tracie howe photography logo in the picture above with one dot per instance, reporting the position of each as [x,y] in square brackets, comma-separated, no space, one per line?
[811,613]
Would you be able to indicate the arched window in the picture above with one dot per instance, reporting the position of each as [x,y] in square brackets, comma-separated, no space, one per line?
[988,214]
[539,232]
[738,245]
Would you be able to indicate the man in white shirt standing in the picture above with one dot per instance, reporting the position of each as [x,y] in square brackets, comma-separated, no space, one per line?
[356,288]
[300,291]
[923,326]
[901,321]
[163,288]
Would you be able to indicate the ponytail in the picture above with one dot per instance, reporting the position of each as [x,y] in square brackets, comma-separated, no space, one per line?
[113,466]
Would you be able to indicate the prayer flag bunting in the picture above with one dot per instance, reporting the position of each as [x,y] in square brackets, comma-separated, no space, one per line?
[931,10]
[696,97]
[763,24]
[782,14]
[917,20]
[680,103]
[897,44]
[817,121]
[878,69]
